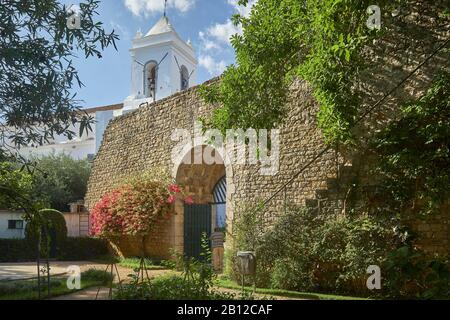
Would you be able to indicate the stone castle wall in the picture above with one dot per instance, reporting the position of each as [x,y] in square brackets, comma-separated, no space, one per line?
[141,140]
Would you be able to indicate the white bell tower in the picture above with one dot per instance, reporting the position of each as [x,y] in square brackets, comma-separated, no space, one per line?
[162,64]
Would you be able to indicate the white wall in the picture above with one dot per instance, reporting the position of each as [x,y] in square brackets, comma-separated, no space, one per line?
[154,48]
[73,224]
[78,148]
[5,233]
[102,119]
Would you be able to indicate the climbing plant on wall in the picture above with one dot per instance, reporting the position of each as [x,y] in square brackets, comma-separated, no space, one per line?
[413,152]
[320,41]
[323,42]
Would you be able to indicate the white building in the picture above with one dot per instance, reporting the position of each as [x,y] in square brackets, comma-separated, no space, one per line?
[161,65]
[12,225]
[84,147]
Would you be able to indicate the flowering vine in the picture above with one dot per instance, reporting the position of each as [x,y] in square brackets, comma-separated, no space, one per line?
[135,207]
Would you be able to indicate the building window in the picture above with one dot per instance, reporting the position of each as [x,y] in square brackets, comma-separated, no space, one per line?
[15,224]
[184,75]
[150,78]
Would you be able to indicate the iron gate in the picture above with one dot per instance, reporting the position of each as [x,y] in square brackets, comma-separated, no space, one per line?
[197,221]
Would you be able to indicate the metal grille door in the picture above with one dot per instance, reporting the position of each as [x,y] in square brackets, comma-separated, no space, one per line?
[197,221]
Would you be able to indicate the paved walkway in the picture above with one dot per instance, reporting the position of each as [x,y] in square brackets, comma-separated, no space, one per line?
[87,294]
[14,271]
[17,271]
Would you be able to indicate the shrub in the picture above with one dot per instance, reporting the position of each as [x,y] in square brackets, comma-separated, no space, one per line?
[411,274]
[17,250]
[61,180]
[98,276]
[84,249]
[172,287]
[53,229]
[305,251]
[196,283]
[73,249]
[135,206]
[16,188]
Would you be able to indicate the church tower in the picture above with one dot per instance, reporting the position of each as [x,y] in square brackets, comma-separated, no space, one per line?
[162,64]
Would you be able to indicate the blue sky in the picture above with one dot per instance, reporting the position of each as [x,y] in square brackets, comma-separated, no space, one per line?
[205,22]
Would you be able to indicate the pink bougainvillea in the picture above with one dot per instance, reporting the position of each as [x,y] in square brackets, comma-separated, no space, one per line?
[105,221]
[188,200]
[135,207]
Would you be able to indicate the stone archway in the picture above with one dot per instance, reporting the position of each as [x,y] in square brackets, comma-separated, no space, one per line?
[200,178]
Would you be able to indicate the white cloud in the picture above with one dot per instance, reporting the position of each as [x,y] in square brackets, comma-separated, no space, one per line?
[216,39]
[222,32]
[146,7]
[244,11]
[206,43]
[214,67]
[120,30]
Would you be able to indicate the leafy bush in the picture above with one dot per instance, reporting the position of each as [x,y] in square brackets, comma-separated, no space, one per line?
[52,226]
[61,180]
[73,249]
[305,251]
[414,151]
[172,287]
[84,249]
[135,206]
[16,250]
[195,284]
[16,188]
[411,274]
[98,276]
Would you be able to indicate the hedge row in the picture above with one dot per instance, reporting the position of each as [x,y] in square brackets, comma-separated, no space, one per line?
[20,250]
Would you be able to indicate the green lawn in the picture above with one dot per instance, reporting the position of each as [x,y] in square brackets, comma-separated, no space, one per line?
[228,284]
[28,289]
[133,263]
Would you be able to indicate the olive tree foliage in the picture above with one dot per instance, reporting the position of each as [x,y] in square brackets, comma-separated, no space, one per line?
[37,75]
[60,180]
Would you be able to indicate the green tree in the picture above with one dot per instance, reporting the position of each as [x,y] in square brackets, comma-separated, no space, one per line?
[324,42]
[414,151]
[16,188]
[60,180]
[37,75]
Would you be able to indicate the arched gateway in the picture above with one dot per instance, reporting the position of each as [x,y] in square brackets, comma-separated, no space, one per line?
[206,183]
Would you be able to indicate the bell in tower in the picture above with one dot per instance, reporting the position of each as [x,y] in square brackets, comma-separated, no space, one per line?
[162,65]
